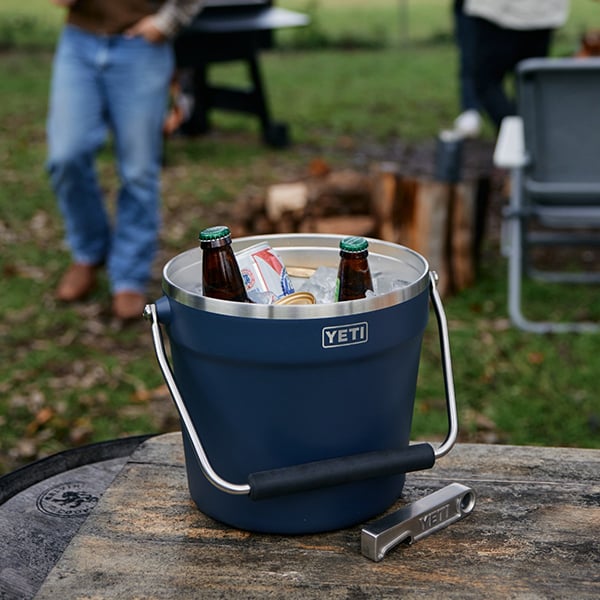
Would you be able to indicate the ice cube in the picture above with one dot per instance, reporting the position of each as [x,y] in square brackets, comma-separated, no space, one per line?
[260,297]
[383,283]
[321,284]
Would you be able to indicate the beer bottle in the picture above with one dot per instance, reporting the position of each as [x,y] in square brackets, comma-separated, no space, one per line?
[354,276]
[221,277]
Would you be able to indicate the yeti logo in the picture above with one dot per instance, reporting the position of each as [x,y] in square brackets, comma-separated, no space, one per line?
[345,335]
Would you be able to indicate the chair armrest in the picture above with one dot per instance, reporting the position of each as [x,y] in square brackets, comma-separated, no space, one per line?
[509,152]
[564,192]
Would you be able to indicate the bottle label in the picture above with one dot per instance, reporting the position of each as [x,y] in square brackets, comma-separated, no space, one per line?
[336,295]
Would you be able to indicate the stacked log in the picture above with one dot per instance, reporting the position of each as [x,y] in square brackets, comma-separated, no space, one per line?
[439,220]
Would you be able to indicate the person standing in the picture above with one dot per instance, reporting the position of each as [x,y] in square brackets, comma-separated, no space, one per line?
[505,33]
[111,72]
[468,122]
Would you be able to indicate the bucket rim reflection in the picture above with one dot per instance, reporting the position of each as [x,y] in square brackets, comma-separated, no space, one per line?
[182,276]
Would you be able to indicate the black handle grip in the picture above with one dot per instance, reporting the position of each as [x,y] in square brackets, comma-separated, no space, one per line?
[334,471]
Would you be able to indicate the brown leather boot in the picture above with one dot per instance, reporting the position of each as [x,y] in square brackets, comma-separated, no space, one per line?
[77,282]
[128,305]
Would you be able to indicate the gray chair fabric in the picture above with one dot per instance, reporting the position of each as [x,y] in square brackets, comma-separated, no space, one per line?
[555,174]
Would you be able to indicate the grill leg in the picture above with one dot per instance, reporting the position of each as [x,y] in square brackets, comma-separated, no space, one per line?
[274,134]
[198,123]
[250,101]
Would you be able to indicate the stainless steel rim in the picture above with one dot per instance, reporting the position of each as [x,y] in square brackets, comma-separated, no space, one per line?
[312,251]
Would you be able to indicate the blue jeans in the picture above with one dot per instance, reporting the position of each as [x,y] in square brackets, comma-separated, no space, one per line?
[101,84]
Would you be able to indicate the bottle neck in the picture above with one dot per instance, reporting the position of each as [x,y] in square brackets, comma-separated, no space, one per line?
[354,255]
[218,243]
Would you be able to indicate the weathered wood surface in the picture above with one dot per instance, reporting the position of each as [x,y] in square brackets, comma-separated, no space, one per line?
[534,533]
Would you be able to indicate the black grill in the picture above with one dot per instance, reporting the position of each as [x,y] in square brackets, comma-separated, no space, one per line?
[232,30]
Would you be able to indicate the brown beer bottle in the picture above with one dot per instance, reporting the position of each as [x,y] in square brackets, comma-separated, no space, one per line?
[221,277]
[354,276]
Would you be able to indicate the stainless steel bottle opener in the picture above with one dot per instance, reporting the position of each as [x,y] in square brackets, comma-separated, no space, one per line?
[417,520]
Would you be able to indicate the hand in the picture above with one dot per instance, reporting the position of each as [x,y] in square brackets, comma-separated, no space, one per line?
[147,29]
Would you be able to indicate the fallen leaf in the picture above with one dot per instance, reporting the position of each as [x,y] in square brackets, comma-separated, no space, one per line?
[42,417]
[535,358]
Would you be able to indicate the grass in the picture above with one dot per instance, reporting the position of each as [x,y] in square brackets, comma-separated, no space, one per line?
[71,375]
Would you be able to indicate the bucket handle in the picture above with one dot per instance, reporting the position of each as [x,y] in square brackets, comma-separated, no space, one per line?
[329,472]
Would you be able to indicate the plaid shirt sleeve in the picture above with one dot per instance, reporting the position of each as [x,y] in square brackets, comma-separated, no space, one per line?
[174,14]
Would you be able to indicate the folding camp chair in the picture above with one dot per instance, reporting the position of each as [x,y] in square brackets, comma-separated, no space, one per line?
[552,149]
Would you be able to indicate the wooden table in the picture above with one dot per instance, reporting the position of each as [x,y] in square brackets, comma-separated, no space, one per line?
[534,533]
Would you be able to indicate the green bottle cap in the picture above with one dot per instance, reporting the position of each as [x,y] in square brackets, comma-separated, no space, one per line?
[354,244]
[214,233]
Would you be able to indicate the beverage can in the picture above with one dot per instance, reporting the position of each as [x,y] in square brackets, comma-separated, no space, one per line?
[297,298]
[263,271]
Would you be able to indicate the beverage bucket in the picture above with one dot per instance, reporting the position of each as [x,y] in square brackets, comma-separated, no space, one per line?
[297,418]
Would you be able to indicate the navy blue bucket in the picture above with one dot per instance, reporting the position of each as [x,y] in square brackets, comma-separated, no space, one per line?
[297,418]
